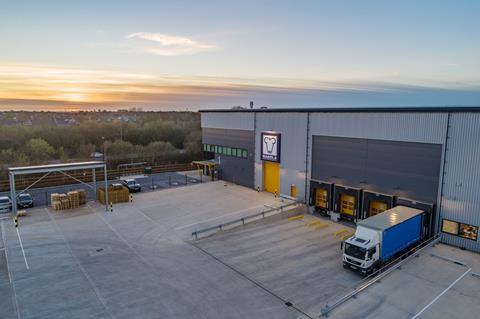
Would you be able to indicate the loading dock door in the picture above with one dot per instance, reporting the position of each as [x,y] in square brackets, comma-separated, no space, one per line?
[347,204]
[377,207]
[271,177]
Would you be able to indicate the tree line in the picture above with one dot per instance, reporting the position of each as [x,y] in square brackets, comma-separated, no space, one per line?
[156,139]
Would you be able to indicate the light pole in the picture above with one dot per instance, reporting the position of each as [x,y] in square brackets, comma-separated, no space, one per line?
[105,172]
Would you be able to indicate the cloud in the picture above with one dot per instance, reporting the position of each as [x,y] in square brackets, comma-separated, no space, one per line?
[170,45]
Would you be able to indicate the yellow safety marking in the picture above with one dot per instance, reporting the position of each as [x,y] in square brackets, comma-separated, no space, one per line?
[317,227]
[314,222]
[340,232]
[347,236]
[295,217]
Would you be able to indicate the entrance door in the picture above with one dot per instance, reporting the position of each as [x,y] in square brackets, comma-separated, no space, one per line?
[271,177]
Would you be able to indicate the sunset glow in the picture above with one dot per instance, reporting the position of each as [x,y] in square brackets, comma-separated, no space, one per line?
[159,56]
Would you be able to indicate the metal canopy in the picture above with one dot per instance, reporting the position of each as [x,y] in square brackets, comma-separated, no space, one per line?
[61,168]
[55,167]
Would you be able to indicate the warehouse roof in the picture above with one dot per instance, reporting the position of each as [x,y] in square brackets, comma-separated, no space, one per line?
[421,109]
[391,217]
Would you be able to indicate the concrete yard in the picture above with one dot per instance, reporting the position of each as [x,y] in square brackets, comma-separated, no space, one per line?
[133,262]
[139,262]
[293,259]
[426,287]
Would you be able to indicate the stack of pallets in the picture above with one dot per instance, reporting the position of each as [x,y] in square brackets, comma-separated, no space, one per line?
[82,196]
[116,194]
[55,200]
[74,199]
[64,201]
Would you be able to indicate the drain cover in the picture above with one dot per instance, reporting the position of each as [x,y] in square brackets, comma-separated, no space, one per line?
[97,251]
[288,304]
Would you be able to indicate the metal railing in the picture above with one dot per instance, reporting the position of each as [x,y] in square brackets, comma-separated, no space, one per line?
[380,274]
[244,220]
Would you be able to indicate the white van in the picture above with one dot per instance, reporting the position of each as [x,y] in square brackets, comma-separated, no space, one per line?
[5,204]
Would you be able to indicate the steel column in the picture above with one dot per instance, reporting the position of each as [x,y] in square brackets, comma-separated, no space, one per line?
[106,185]
[13,194]
[94,181]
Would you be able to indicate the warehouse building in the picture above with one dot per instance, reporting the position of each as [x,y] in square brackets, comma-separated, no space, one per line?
[357,162]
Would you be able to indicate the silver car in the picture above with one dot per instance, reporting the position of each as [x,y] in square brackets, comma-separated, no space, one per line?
[5,204]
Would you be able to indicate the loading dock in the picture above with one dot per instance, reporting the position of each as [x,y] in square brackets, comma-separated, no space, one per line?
[347,202]
[375,203]
[321,196]
[429,223]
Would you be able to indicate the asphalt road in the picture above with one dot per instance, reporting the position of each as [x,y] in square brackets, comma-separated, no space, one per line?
[41,196]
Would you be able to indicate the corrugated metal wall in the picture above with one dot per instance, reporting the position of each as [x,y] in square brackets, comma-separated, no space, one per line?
[406,127]
[393,126]
[293,127]
[228,120]
[404,169]
[461,190]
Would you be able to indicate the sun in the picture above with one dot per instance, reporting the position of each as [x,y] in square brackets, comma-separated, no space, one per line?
[72,97]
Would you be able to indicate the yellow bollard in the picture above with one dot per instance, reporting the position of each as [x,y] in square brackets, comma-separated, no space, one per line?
[275,194]
[293,191]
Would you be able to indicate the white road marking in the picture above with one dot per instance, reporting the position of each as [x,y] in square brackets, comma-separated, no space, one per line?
[441,294]
[23,251]
[84,272]
[14,291]
[6,252]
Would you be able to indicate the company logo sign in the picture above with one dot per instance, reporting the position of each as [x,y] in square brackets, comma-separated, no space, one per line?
[270,147]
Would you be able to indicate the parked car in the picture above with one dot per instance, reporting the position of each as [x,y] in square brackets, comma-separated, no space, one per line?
[5,204]
[132,185]
[24,200]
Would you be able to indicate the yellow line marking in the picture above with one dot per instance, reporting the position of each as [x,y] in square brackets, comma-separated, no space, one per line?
[340,232]
[314,222]
[317,227]
[295,217]
[347,236]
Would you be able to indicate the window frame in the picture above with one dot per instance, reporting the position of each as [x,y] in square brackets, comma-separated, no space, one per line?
[458,234]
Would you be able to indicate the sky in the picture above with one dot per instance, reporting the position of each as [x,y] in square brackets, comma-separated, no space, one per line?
[186,55]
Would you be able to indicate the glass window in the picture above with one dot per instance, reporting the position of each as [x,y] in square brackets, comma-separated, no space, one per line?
[234,152]
[216,148]
[354,251]
[229,151]
[222,150]
[468,231]
[205,147]
[450,227]
[244,153]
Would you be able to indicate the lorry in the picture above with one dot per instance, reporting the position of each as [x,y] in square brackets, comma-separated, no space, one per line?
[380,238]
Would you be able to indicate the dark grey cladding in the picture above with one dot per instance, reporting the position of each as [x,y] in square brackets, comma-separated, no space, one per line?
[233,169]
[403,169]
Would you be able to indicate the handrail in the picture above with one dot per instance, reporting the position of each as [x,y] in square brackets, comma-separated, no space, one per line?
[382,272]
[220,227]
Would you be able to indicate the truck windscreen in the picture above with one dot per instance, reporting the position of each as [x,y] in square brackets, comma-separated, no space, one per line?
[355,251]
